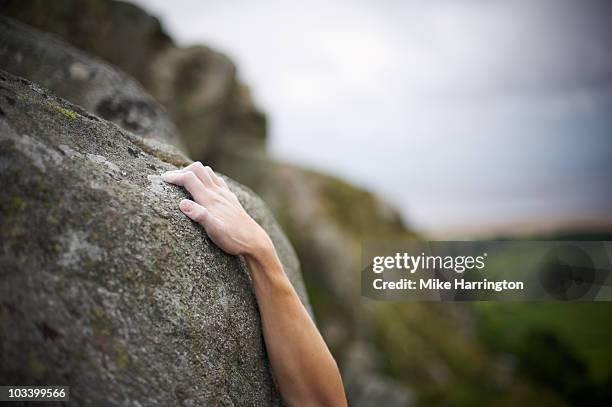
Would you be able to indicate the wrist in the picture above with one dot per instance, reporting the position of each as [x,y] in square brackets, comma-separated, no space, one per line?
[267,272]
[261,256]
[260,247]
[266,269]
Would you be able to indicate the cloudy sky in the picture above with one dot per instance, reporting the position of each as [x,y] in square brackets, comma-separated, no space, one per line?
[468,115]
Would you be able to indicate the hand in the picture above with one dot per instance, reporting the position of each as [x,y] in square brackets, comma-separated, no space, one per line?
[217,209]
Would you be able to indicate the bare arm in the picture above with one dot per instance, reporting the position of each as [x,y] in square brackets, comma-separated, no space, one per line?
[303,367]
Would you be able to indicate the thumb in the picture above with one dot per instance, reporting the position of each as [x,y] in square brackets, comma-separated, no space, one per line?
[194,211]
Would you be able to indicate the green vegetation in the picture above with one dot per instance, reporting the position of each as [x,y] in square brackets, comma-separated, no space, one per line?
[585,327]
[499,353]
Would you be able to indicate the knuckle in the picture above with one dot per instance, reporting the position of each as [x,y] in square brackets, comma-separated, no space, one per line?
[198,164]
[190,177]
[180,178]
[215,197]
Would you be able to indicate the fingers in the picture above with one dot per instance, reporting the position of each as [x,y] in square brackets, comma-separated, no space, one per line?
[215,179]
[187,180]
[199,180]
[205,174]
[222,182]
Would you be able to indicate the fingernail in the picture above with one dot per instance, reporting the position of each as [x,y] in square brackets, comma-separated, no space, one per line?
[185,206]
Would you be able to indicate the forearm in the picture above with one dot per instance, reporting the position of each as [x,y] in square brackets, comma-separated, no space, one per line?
[304,369]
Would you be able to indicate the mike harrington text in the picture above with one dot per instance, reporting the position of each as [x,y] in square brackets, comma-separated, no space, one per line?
[437,284]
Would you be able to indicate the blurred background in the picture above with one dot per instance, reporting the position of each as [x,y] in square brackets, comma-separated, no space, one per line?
[397,119]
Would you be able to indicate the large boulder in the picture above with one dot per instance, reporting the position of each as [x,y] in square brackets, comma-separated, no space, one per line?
[106,286]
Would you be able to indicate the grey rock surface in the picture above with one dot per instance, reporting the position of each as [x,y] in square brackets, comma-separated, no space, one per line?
[83,80]
[124,34]
[106,286]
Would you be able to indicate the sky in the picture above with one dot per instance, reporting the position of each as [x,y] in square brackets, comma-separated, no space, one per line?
[470,116]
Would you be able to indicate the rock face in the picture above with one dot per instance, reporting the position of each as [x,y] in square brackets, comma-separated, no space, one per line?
[106,286]
[84,80]
[116,31]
